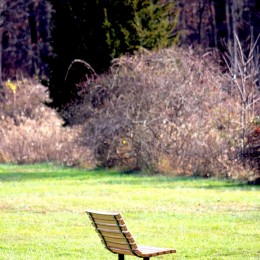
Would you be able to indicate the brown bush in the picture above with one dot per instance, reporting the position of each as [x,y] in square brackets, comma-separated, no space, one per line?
[32,132]
[251,153]
[163,111]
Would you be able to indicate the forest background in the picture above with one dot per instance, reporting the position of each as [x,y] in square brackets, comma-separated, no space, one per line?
[197,59]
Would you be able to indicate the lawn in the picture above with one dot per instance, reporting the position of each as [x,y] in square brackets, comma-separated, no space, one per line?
[42,214]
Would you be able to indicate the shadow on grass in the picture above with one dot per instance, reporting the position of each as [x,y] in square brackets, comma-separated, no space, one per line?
[17,173]
[9,173]
[181,182]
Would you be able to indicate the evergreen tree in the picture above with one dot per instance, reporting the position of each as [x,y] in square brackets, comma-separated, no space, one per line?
[117,25]
[155,23]
[143,23]
[97,31]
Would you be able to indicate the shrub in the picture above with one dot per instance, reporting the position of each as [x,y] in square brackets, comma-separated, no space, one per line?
[157,111]
[33,132]
[140,24]
[251,153]
[243,75]
[166,111]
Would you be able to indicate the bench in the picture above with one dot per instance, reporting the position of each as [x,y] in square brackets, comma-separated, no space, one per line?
[117,239]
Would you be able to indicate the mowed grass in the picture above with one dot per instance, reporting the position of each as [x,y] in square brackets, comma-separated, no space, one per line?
[42,214]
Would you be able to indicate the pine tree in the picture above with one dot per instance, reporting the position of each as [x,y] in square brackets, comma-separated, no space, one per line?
[143,23]
[154,23]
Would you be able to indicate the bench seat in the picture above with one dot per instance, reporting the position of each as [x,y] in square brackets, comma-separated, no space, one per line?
[116,237]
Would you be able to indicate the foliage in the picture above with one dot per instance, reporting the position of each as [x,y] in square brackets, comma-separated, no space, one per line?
[25,38]
[79,36]
[42,213]
[96,30]
[167,111]
[32,132]
[251,153]
[191,111]
[117,25]
[244,87]
[150,111]
[150,24]
[155,23]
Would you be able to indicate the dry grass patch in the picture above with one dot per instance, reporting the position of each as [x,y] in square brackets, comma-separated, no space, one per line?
[33,132]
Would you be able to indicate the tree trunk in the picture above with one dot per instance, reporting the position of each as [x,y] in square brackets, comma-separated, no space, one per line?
[1,39]
[1,50]
[220,21]
[202,5]
[34,40]
[44,18]
[213,41]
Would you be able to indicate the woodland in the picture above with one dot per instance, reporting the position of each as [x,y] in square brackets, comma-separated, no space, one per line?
[169,86]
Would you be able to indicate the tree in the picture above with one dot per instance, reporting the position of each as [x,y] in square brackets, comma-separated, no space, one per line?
[77,34]
[148,24]
[97,31]
[2,3]
[23,46]
[243,74]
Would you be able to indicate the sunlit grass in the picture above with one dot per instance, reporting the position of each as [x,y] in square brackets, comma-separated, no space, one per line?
[42,213]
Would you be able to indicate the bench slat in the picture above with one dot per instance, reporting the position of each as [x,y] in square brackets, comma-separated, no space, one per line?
[120,246]
[111,234]
[120,239]
[107,236]
[121,251]
[117,238]
[105,221]
[148,251]
[111,227]
[102,217]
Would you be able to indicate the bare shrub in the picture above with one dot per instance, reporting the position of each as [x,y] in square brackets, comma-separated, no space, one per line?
[251,154]
[32,132]
[243,88]
[161,111]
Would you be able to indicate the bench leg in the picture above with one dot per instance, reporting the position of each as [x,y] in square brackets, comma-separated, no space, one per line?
[121,257]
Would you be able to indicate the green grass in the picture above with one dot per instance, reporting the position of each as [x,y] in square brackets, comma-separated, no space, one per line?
[42,214]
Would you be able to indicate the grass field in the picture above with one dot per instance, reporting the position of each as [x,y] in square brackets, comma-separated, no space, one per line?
[42,214]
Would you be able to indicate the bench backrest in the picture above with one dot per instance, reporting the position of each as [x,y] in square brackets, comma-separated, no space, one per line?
[113,232]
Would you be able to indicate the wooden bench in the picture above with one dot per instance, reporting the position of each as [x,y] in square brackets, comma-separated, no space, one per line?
[116,237]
